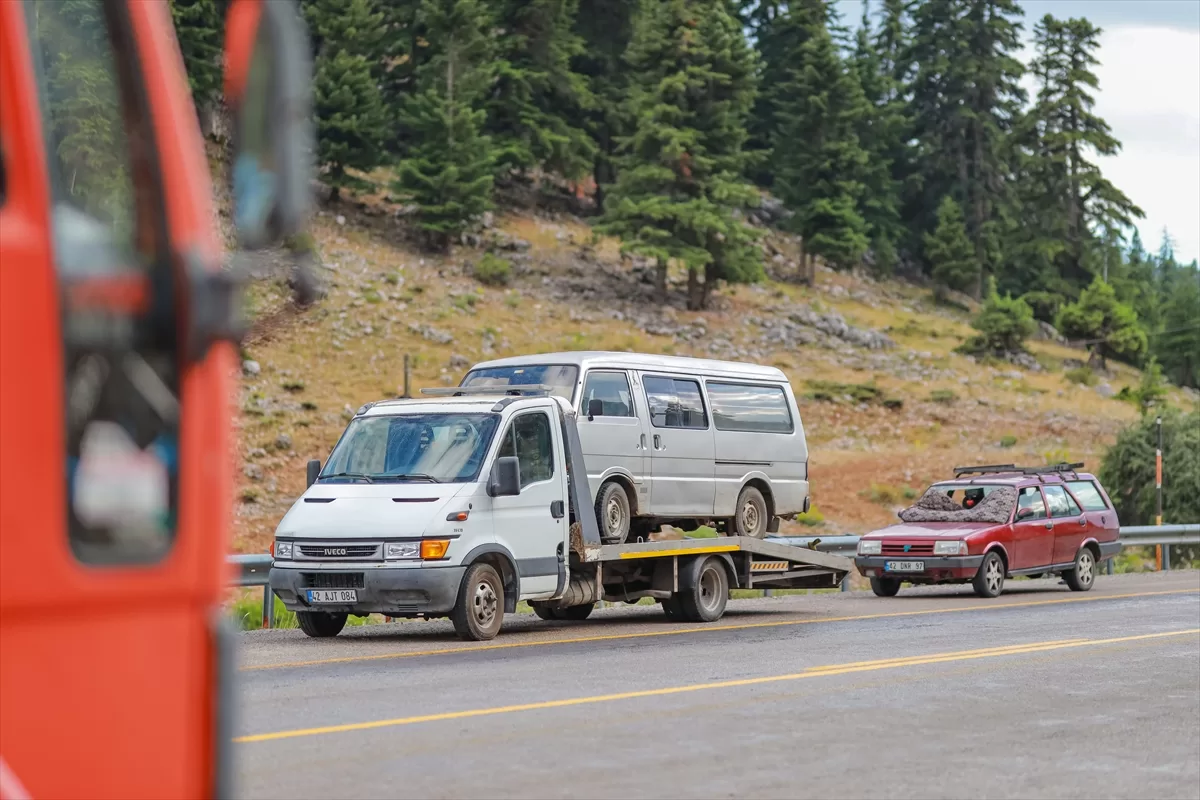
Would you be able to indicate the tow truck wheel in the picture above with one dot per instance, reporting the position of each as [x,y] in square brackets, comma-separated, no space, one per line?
[320,624]
[612,512]
[544,612]
[989,580]
[751,518]
[1081,577]
[885,587]
[479,612]
[705,602]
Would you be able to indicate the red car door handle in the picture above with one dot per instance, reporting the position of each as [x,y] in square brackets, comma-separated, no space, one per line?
[1049,525]
[1082,521]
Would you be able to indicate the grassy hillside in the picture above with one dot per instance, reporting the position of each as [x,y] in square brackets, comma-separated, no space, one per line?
[886,403]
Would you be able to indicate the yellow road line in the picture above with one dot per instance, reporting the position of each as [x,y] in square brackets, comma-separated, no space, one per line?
[722,548]
[699,629]
[812,672]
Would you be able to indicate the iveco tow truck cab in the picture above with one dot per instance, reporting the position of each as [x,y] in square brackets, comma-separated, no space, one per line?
[462,502]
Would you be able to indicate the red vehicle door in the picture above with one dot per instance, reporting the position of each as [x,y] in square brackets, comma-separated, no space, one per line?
[1033,531]
[1070,524]
[114,481]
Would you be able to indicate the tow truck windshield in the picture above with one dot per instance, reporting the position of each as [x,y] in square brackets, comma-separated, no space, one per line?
[437,448]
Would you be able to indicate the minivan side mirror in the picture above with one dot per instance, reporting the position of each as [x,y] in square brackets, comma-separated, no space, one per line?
[505,480]
[314,469]
[595,408]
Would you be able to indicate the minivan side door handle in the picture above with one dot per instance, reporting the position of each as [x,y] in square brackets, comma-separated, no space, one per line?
[658,445]
[556,509]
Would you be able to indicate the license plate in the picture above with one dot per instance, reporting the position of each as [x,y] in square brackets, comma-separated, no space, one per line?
[332,596]
[904,566]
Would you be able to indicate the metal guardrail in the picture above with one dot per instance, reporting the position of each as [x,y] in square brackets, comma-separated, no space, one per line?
[254,569]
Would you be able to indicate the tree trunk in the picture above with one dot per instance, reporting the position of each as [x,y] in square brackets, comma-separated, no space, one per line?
[660,280]
[695,291]
[710,280]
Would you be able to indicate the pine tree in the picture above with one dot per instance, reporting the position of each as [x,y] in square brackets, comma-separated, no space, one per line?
[448,171]
[351,119]
[819,164]
[1176,343]
[1110,327]
[679,177]
[198,28]
[949,249]
[537,101]
[605,28]
[965,96]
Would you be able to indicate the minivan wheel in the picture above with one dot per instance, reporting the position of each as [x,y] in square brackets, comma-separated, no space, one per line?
[705,602]
[885,587]
[1081,577]
[989,580]
[479,612]
[750,518]
[612,512]
[576,613]
[320,624]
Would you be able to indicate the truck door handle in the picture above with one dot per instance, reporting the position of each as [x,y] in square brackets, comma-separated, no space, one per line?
[642,442]
[556,509]
[658,442]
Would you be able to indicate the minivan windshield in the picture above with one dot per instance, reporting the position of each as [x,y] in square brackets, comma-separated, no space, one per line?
[560,376]
[436,448]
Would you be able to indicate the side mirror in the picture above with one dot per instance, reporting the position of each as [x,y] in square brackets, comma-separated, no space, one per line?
[505,480]
[314,469]
[595,408]
[1024,513]
[268,80]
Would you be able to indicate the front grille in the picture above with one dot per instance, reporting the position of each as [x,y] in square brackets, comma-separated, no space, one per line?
[334,551]
[919,549]
[333,580]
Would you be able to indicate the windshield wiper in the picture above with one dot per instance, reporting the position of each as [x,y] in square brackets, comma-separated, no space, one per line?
[366,478]
[410,476]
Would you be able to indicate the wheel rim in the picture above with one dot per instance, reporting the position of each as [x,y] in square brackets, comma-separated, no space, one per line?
[710,589]
[1085,571]
[484,605]
[614,516]
[994,577]
[750,517]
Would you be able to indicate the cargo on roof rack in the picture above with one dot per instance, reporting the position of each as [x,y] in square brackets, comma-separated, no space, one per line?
[991,469]
[531,390]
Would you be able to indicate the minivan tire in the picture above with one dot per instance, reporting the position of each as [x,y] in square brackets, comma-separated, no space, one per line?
[612,513]
[321,624]
[479,611]
[705,601]
[885,587]
[750,514]
[576,613]
[989,580]
[1081,576]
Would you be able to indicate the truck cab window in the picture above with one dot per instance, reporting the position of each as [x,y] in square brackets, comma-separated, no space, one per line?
[529,438]
[113,265]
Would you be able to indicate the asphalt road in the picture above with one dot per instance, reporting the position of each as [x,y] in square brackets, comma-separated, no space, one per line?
[1040,693]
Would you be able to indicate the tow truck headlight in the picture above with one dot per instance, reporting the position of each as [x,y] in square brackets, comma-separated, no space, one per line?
[869,547]
[958,548]
[394,551]
[283,550]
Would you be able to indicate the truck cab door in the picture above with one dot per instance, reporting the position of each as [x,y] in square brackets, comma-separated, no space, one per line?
[533,524]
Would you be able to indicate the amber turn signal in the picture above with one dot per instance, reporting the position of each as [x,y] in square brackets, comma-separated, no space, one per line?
[457,516]
[434,548]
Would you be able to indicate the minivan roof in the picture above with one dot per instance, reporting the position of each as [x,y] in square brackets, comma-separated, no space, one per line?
[585,359]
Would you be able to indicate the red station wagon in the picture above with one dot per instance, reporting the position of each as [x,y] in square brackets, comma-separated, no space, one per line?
[992,522]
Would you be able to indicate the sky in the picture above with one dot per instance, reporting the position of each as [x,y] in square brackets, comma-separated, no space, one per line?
[1149,76]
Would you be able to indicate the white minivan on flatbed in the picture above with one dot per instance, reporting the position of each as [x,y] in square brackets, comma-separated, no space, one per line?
[464,502]
[675,440]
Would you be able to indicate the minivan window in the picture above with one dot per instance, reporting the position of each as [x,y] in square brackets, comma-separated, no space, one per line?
[529,439]
[755,409]
[675,403]
[561,377]
[612,390]
[446,448]
[1088,495]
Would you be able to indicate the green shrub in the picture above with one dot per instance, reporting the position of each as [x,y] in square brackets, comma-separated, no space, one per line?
[1004,323]
[1008,440]
[833,392]
[812,518]
[492,270]
[1082,375]
[943,396]
[1045,305]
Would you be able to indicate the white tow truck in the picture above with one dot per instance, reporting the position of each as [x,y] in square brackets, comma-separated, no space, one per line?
[463,502]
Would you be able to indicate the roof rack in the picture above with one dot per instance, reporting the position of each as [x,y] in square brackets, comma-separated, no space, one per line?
[529,390]
[991,469]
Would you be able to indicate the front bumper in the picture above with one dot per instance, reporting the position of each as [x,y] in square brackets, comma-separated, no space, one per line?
[428,591]
[940,568]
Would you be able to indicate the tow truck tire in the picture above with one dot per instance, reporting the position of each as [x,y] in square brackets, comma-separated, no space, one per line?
[885,587]
[1081,576]
[612,513]
[750,517]
[545,613]
[576,613]
[320,624]
[479,612]
[705,601]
